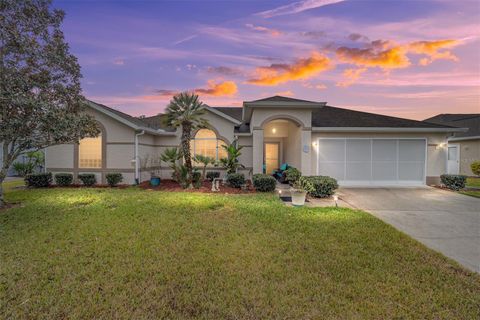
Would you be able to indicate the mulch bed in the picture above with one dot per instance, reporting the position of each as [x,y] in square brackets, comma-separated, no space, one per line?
[170,185]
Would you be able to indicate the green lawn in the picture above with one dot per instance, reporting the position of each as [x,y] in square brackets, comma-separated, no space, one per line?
[472,183]
[137,254]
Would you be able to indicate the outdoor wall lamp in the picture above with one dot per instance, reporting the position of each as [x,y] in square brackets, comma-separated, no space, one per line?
[274,130]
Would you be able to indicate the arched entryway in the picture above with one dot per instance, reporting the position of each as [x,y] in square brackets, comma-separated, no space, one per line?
[282,144]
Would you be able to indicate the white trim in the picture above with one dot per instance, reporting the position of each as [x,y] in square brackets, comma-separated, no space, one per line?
[221,114]
[385,129]
[130,124]
[463,138]
[371,183]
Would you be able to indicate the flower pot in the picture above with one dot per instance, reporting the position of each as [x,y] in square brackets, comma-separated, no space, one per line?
[155,181]
[298,197]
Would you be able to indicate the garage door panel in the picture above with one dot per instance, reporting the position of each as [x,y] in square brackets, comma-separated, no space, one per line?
[411,150]
[384,150]
[331,169]
[358,171]
[384,171]
[410,171]
[331,150]
[358,150]
[373,161]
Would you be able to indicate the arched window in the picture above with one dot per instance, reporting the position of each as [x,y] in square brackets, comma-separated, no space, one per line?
[206,143]
[90,152]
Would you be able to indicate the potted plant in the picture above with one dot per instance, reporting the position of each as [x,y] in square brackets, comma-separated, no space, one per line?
[154,179]
[299,194]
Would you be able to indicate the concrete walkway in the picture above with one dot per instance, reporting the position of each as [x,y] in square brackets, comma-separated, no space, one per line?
[442,220]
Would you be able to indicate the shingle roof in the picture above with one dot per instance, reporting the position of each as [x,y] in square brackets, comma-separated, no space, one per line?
[234,112]
[157,122]
[282,99]
[125,116]
[337,117]
[463,120]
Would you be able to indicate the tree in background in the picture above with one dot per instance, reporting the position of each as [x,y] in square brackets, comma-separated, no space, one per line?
[40,95]
[186,110]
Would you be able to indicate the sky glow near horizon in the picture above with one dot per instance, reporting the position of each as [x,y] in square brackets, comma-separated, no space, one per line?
[410,59]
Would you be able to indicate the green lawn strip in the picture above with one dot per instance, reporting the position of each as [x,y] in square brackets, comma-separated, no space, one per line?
[131,253]
[472,193]
[473,182]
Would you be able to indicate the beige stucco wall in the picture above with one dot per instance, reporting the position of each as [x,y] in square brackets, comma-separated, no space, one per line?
[60,156]
[436,153]
[469,152]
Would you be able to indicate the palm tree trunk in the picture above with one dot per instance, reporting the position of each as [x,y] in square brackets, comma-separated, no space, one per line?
[187,157]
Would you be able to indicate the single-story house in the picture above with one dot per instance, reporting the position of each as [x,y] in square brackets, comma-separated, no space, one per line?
[463,147]
[356,148]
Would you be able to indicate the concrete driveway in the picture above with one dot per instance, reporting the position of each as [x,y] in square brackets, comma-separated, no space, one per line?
[442,220]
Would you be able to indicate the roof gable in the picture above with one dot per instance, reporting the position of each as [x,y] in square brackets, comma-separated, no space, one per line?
[464,120]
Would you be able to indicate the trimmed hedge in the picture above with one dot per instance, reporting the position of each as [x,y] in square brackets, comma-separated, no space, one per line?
[264,182]
[453,181]
[88,179]
[39,180]
[236,180]
[292,175]
[475,166]
[319,186]
[212,175]
[114,178]
[63,179]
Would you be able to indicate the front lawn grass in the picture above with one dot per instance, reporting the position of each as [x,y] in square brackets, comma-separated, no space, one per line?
[472,182]
[135,254]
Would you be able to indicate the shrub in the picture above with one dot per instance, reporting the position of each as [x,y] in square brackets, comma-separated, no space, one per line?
[318,186]
[236,180]
[196,179]
[475,166]
[453,181]
[213,175]
[39,180]
[114,178]
[23,169]
[88,179]
[63,179]
[264,182]
[292,175]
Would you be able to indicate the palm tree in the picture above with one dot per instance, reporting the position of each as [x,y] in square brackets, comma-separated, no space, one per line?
[232,162]
[205,161]
[185,110]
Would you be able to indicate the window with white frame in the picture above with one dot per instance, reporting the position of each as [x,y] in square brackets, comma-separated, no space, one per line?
[206,144]
[90,153]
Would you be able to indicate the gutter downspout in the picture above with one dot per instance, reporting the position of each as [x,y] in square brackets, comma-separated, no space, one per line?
[137,158]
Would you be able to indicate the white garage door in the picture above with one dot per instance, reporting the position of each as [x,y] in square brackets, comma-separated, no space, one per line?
[379,162]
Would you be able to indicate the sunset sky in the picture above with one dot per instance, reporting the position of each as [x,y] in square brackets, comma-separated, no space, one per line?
[410,59]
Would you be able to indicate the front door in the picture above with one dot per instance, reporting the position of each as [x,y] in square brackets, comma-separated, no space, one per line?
[272,157]
[453,161]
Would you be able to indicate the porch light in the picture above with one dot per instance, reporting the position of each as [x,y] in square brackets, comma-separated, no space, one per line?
[274,130]
[442,145]
[314,143]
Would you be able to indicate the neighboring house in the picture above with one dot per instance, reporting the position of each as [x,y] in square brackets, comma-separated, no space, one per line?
[463,147]
[11,171]
[356,148]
